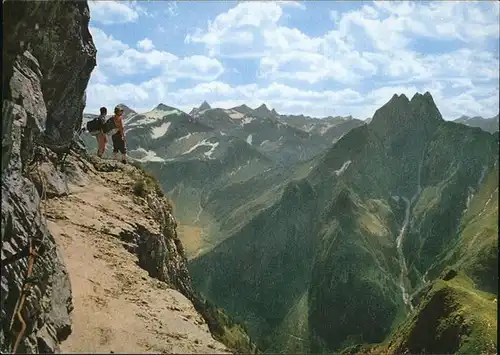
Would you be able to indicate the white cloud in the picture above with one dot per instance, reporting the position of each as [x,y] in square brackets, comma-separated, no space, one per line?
[246,20]
[145,44]
[172,9]
[112,12]
[106,45]
[115,57]
[132,61]
[291,100]
[374,52]
[134,4]
[251,29]
[98,76]
[393,25]
[454,66]
[297,4]
[313,67]
[197,67]
[284,98]
[139,97]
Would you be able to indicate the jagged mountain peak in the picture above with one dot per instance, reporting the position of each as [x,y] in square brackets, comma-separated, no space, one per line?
[426,94]
[244,109]
[204,106]
[398,99]
[424,108]
[486,124]
[399,113]
[264,112]
[126,109]
[427,97]
[262,107]
[163,107]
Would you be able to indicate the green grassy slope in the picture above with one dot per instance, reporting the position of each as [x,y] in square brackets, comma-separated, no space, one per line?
[457,312]
[266,261]
[452,317]
[333,235]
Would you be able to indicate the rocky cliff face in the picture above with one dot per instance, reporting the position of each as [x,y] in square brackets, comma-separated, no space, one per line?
[161,255]
[48,58]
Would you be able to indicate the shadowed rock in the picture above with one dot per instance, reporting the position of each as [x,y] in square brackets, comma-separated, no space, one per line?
[48,58]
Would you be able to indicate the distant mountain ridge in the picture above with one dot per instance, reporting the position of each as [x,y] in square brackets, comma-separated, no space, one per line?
[285,139]
[486,124]
[200,156]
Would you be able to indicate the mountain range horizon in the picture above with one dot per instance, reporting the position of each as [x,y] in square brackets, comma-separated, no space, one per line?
[264,107]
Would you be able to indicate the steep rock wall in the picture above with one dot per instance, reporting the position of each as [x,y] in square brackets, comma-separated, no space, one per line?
[48,58]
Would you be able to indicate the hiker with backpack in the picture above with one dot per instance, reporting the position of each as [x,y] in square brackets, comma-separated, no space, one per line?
[96,128]
[114,128]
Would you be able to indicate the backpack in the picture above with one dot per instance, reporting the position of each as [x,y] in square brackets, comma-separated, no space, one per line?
[94,126]
[110,127]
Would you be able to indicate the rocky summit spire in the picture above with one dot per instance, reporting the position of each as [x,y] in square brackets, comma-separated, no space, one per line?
[163,107]
[204,106]
[244,109]
[263,112]
[424,108]
[262,107]
[126,109]
[401,114]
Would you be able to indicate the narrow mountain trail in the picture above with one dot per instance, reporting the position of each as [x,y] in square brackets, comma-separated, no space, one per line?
[117,306]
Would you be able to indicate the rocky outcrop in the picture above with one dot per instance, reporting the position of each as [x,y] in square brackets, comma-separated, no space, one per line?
[48,58]
[161,255]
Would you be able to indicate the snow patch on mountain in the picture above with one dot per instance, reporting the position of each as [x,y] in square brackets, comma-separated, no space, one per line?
[156,113]
[342,168]
[325,128]
[150,156]
[127,119]
[335,140]
[239,168]
[211,151]
[247,120]
[153,116]
[184,137]
[235,115]
[160,131]
[309,127]
[199,113]
[204,142]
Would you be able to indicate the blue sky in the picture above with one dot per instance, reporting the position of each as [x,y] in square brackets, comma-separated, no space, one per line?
[318,58]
